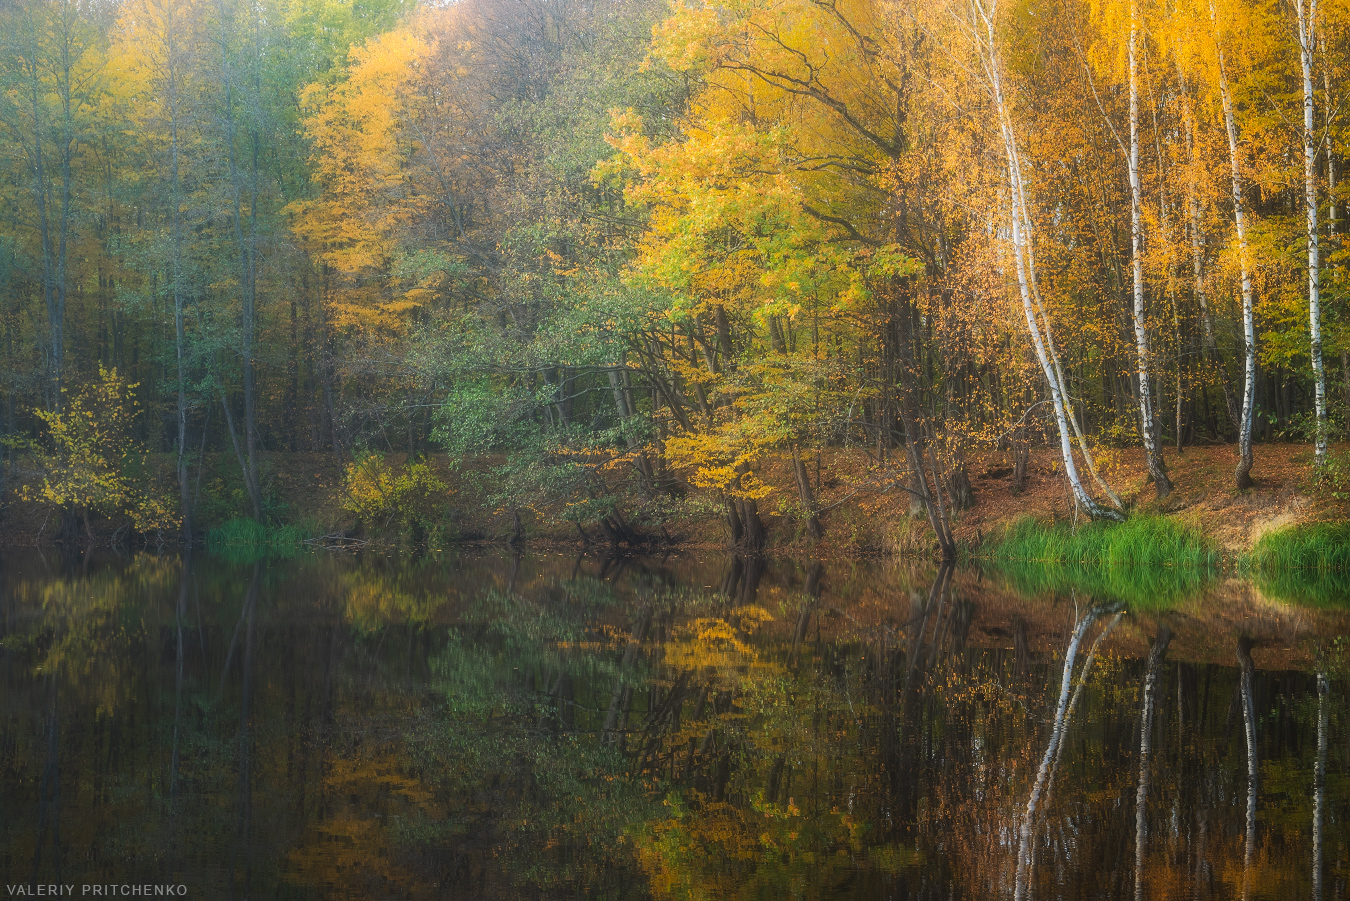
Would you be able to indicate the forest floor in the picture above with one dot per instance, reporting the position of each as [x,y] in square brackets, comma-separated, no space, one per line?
[1285,493]
[865,510]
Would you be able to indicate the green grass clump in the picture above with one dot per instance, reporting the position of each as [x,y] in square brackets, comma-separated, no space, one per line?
[1140,541]
[1320,546]
[1307,564]
[246,540]
[1148,562]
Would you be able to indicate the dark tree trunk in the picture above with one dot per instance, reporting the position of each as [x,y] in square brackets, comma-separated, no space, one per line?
[808,497]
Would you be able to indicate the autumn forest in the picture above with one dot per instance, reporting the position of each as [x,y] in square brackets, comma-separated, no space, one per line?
[607,262]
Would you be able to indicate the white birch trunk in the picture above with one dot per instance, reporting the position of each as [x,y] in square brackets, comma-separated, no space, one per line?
[1244,468]
[1147,423]
[1306,11]
[982,22]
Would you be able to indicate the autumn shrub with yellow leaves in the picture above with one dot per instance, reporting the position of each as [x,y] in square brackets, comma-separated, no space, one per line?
[382,494]
[91,463]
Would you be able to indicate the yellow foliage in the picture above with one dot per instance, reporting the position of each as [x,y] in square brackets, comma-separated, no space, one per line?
[87,467]
[379,494]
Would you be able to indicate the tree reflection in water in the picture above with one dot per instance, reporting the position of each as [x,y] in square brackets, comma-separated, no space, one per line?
[1050,759]
[484,726]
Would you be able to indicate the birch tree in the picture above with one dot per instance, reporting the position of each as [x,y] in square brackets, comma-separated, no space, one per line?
[240,88]
[1148,425]
[980,22]
[1242,476]
[1305,11]
[1148,422]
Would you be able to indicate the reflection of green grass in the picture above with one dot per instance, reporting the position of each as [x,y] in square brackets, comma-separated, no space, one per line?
[1308,564]
[1147,562]
[246,540]
[1141,587]
[1318,589]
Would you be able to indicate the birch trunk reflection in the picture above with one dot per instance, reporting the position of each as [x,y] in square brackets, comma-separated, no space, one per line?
[1049,760]
[1248,668]
[1155,659]
[1319,785]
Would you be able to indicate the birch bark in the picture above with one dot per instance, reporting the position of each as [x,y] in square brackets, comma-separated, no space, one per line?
[1148,425]
[1242,475]
[983,14]
[1306,13]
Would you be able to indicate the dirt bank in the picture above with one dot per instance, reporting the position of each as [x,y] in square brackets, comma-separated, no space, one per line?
[864,509]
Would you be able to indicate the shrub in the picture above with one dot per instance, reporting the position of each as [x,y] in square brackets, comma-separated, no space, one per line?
[410,496]
[91,463]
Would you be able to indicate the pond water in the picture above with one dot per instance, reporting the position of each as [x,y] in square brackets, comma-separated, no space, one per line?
[490,725]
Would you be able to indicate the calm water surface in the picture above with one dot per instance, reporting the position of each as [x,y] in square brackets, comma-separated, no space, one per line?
[483,725]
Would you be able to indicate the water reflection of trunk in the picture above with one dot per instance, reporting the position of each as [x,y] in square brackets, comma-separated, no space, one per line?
[741,582]
[1155,659]
[243,834]
[1244,656]
[179,613]
[623,690]
[808,608]
[1319,784]
[49,790]
[1050,759]
[1073,702]
[899,746]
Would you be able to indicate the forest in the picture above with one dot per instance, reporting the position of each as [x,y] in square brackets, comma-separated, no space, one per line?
[607,262]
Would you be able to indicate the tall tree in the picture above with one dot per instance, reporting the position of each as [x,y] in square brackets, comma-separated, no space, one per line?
[154,57]
[1149,426]
[981,23]
[1305,12]
[1242,475]
[240,84]
[52,70]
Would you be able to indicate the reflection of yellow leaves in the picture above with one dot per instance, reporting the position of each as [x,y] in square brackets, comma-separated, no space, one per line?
[715,642]
[372,602]
[751,616]
[361,796]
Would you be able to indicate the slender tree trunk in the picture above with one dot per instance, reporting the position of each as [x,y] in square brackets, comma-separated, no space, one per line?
[68,142]
[984,29]
[248,340]
[624,409]
[326,364]
[1306,11]
[1148,425]
[1247,671]
[35,93]
[807,496]
[1025,831]
[247,268]
[1242,476]
[176,266]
